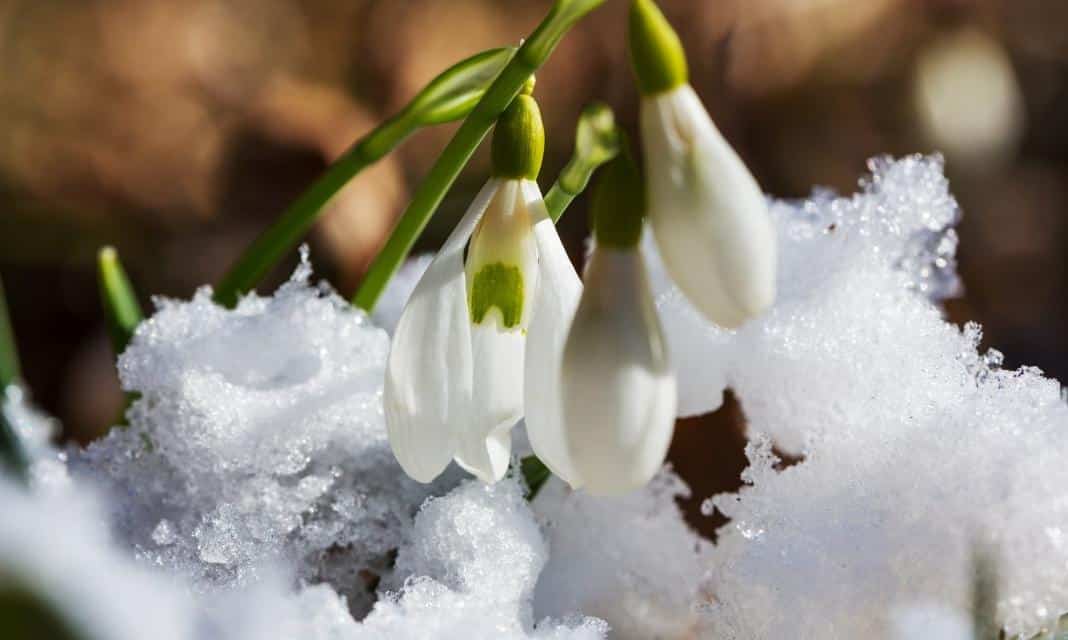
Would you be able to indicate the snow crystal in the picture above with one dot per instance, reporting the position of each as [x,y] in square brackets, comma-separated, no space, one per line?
[256,460]
[924,622]
[35,431]
[258,438]
[631,561]
[917,447]
[476,555]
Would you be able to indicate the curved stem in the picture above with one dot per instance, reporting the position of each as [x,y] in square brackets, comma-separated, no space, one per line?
[535,50]
[571,182]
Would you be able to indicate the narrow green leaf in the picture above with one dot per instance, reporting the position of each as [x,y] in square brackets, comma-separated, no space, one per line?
[13,459]
[450,96]
[531,55]
[118,299]
[9,355]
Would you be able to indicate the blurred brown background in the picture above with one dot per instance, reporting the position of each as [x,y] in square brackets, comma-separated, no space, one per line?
[176,129]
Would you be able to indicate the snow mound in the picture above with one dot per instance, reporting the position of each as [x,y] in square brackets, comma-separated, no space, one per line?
[918,448]
[258,438]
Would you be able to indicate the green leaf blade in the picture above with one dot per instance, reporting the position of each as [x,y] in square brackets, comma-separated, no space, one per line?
[118,299]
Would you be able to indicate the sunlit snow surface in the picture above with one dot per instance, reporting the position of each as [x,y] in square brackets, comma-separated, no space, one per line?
[253,494]
[917,447]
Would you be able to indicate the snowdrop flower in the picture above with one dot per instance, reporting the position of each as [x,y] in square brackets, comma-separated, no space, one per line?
[471,335]
[708,215]
[617,387]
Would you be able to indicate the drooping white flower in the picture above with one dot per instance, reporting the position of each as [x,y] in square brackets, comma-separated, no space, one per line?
[708,214]
[617,387]
[474,340]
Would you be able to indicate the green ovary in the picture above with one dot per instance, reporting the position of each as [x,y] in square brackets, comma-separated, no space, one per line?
[501,286]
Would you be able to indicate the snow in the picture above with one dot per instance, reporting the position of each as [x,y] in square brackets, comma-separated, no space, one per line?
[255,460]
[253,493]
[258,438]
[476,554]
[631,561]
[55,547]
[917,446]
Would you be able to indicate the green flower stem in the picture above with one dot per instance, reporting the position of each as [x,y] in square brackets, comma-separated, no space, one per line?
[597,141]
[450,96]
[118,300]
[560,194]
[10,371]
[535,50]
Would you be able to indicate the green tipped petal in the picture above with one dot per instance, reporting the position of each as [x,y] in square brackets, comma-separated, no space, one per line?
[519,140]
[118,299]
[619,203]
[655,50]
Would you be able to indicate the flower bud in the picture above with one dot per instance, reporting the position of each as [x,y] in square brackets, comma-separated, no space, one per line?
[619,203]
[519,140]
[655,50]
[617,388]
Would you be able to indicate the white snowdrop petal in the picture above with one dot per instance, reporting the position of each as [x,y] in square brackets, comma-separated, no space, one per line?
[699,351]
[503,248]
[709,216]
[617,386]
[557,298]
[428,386]
[497,401]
